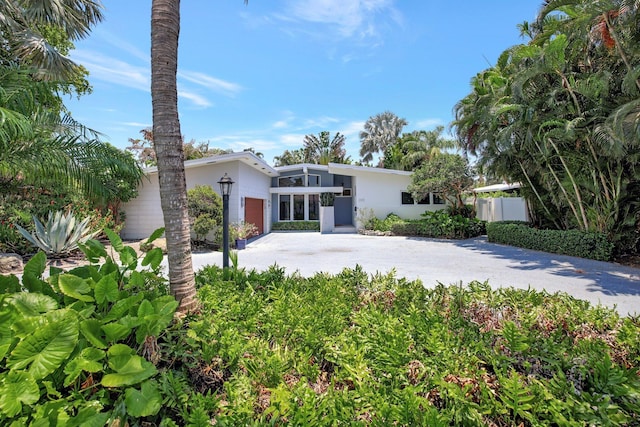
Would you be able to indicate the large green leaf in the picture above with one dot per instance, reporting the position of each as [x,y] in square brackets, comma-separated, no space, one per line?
[9,283]
[144,402]
[16,389]
[89,417]
[92,331]
[156,234]
[47,348]
[153,258]
[75,287]
[36,265]
[116,331]
[116,241]
[89,360]
[32,304]
[122,307]
[106,289]
[130,368]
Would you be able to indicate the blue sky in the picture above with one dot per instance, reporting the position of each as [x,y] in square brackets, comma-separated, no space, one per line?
[266,74]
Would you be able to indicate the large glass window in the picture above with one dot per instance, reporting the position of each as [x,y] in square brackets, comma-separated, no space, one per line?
[314,207]
[291,181]
[298,207]
[438,199]
[285,207]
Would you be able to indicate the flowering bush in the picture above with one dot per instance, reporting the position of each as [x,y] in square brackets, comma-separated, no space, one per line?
[243,230]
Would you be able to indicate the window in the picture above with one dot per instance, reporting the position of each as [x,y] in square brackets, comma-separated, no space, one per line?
[314,207]
[437,200]
[285,207]
[314,180]
[291,181]
[298,207]
[406,198]
[425,201]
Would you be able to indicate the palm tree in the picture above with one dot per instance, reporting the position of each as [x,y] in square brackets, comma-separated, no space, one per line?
[421,146]
[290,157]
[380,131]
[165,29]
[21,31]
[322,149]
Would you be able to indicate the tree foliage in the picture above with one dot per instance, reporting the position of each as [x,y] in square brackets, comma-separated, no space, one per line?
[446,174]
[322,149]
[561,114]
[380,131]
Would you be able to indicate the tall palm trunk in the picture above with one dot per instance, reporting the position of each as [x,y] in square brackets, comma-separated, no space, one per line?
[165,28]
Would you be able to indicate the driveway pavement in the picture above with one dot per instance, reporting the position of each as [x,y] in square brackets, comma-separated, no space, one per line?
[443,261]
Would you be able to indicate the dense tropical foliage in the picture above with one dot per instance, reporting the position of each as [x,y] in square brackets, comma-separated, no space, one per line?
[44,153]
[561,115]
[100,345]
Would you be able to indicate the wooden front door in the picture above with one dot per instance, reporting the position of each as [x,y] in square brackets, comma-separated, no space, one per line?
[254,212]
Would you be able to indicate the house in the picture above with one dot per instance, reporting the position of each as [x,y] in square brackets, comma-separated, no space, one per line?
[262,194]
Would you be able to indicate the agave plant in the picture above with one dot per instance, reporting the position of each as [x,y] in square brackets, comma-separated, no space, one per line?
[60,235]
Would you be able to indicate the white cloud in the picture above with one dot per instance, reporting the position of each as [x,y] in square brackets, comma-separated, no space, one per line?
[198,100]
[360,19]
[351,17]
[113,70]
[429,123]
[212,83]
[137,124]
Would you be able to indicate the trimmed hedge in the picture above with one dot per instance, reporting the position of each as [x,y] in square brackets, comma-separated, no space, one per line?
[296,226]
[566,242]
[439,224]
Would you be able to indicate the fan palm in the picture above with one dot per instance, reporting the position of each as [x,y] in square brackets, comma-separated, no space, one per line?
[380,131]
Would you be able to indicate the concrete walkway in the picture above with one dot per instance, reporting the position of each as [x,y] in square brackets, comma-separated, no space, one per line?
[443,261]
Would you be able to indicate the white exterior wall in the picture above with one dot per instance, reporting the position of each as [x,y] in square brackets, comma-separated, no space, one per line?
[502,209]
[144,213]
[382,192]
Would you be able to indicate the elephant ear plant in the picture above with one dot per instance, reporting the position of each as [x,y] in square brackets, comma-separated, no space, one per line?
[81,347]
[60,235]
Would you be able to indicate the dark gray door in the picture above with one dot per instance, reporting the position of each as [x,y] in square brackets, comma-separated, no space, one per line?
[342,211]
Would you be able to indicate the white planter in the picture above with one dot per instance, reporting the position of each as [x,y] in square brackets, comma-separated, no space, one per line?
[327,220]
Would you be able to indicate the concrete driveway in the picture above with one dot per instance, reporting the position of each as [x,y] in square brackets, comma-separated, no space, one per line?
[443,261]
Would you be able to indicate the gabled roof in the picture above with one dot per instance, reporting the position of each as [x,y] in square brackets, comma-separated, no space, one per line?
[246,157]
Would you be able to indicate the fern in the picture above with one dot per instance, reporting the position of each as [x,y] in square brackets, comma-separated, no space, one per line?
[516,397]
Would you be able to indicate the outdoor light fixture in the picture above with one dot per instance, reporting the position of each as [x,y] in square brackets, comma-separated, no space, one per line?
[225,185]
[225,188]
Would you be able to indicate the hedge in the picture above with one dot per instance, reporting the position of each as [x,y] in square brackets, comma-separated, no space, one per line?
[296,226]
[566,242]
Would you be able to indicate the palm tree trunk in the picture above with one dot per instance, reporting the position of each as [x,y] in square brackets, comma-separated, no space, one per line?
[165,28]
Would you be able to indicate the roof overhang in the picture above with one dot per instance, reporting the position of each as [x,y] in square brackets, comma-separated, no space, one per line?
[497,187]
[305,190]
[342,169]
[246,157]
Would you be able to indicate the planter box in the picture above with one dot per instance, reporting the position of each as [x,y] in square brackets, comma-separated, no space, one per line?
[327,220]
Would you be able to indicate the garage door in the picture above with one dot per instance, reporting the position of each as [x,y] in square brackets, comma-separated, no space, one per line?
[254,212]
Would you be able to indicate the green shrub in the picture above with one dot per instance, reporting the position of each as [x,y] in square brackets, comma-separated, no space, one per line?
[296,226]
[438,224]
[205,212]
[567,242]
[327,199]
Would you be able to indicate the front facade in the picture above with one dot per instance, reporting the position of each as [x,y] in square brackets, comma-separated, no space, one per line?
[263,195]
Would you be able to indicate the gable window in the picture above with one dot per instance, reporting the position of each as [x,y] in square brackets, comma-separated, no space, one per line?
[314,180]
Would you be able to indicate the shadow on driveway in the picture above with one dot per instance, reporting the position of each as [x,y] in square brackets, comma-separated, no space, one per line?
[604,277]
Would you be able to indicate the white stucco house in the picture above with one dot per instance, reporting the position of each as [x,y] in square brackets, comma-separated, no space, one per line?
[263,194]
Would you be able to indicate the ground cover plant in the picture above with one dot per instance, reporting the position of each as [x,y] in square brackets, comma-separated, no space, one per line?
[99,345]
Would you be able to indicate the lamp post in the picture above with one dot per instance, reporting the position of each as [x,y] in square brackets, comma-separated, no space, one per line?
[225,188]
